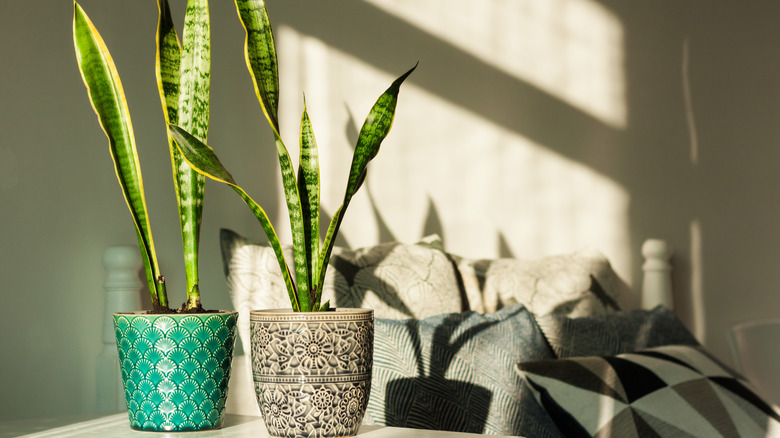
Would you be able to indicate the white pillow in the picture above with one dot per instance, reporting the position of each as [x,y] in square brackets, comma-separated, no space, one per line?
[581,283]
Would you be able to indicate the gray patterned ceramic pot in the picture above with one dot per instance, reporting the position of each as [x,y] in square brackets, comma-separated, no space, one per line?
[312,370]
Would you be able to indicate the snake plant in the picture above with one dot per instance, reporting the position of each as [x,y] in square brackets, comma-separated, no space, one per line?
[302,191]
[183,80]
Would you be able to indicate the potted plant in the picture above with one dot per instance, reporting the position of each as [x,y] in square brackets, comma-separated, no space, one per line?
[311,363]
[175,363]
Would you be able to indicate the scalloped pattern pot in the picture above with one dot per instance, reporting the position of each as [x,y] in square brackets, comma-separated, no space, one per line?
[175,368]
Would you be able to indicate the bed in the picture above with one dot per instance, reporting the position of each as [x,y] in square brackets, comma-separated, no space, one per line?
[500,345]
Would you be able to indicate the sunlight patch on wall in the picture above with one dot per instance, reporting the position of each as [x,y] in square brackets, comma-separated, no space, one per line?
[697,287]
[571,49]
[443,167]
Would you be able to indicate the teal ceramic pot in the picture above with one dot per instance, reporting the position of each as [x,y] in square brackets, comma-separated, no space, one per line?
[312,370]
[175,368]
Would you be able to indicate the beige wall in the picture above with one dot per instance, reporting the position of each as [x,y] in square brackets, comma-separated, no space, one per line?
[526,153]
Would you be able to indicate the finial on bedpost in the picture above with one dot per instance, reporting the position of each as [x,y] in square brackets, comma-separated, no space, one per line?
[122,287]
[657,281]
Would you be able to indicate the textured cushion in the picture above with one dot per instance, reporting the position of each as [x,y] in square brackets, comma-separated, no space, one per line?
[613,333]
[670,391]
[456,372]
[396,280]
[578,284]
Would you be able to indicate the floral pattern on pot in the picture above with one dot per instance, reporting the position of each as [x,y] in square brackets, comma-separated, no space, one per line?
[312,371]
[175,368]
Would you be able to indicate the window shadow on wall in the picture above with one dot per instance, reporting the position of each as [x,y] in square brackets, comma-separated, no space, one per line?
[651,164]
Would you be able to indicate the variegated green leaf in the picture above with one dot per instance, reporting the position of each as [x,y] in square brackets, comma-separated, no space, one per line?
[295,211]
[202,158]
[260,54]
[199,155]
[183,78]
[195,71]
[108,100]
[309,189]
[193,115]
[375,128]
[167,64]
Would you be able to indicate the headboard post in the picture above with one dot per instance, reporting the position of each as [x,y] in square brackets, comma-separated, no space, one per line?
[122,286]
[657,279]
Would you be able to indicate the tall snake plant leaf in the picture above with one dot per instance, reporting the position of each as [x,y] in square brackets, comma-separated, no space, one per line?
[375,128]
[309,188]
[260,54]
[183,80]
[167,63]
[108,100]
[299,235]
[202,157]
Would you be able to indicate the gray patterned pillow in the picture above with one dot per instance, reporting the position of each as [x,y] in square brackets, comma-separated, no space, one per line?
[582,283]
[613,333]
[456,372]
[397,280]
[671,391]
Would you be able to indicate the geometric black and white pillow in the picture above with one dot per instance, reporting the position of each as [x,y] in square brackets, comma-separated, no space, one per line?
[613,333]
[669,391]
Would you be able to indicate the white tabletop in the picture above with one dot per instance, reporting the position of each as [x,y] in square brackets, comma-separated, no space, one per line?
[235,426]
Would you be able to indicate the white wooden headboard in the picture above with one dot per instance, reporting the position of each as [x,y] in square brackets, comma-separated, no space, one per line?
[123,285]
